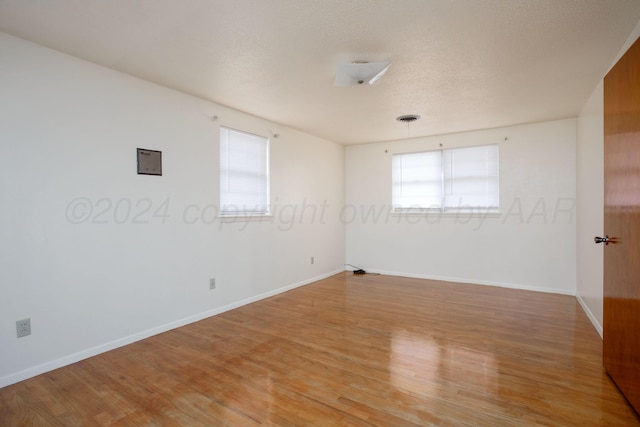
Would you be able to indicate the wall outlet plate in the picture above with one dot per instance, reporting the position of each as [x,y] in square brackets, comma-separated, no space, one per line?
[23,328]
[212,283]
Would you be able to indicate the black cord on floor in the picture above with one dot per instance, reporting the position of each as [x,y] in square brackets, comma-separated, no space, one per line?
[359,271]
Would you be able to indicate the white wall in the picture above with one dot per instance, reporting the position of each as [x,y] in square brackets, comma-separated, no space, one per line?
[590,187]
[98,256]
[530,245]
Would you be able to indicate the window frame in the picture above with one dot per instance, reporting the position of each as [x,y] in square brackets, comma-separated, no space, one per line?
[243,210]
[443,207]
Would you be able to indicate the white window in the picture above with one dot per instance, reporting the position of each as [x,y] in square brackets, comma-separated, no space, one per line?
[244,173]
[460,179]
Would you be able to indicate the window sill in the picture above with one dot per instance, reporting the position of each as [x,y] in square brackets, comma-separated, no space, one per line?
[450,213]
[247,217]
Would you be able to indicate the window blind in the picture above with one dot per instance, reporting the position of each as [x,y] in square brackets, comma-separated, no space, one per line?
[244,173]
[449,179]
[417,180]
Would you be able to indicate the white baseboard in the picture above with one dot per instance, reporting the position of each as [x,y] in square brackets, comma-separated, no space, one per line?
[590,315]
[94,351]
[476,282]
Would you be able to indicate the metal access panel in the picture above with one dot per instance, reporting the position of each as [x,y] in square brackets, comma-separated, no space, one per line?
[149,162]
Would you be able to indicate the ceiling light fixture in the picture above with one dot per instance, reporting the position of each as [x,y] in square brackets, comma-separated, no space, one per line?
[360,72]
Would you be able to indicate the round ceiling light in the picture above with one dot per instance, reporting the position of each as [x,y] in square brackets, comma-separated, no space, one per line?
[408,118]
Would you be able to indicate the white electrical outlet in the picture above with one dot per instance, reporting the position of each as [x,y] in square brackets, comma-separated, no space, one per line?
[23,327]
[212,283]
[313,261]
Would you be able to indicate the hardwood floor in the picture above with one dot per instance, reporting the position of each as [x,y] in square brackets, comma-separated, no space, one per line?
[347,351]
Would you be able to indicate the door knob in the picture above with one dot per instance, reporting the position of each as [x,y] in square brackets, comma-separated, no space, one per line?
[604,239]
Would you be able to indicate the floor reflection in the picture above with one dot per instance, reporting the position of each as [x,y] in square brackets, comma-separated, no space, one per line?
[424,365]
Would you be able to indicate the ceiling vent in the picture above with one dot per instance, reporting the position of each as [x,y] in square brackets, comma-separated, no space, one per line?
[408,118]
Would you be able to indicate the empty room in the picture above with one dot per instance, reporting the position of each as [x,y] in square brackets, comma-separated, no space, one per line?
[319,213]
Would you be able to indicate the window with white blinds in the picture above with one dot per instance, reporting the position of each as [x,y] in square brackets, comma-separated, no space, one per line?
[459,179]
[244,173]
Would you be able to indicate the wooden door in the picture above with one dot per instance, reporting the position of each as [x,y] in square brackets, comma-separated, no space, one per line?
[621,349]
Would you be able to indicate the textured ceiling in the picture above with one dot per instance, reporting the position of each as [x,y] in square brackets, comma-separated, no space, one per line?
[460,64]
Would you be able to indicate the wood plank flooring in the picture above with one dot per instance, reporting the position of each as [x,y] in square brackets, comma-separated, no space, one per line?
[347,351]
